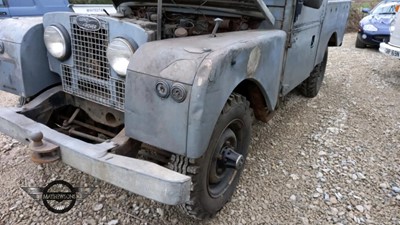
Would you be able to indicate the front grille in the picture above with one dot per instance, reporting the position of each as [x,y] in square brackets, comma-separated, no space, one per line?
[90,76]
[381,38]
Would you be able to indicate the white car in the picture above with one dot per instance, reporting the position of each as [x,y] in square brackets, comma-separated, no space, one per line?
[392,48]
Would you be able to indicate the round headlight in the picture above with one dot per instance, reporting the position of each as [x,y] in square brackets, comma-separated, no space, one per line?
[57,41]
[119,52]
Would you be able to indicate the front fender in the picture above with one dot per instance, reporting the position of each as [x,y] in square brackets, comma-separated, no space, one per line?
[210,69]
[24,69]
[258,58]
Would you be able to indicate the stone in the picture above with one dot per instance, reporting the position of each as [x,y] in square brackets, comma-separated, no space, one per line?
[112,222]
[334,211]
[383,185]
[97,207]
[316,195]
[360,208]
[361,176]
[396,189]
[322,153]
[294,176]
[326,197]
[304,220]
[160,212]
[174,221]
[333,200]
[293,198]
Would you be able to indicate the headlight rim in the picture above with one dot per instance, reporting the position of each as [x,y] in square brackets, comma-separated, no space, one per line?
[132,46]
[66,38]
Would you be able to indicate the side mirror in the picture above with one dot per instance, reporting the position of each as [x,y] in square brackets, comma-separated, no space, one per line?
[315,4]
[366,10]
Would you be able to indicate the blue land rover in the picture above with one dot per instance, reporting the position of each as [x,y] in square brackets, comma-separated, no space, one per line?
[12,8]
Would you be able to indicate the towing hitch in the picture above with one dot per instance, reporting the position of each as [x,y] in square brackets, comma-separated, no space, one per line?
[43,151]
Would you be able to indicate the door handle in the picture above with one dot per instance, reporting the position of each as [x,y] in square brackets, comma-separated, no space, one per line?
[312,41]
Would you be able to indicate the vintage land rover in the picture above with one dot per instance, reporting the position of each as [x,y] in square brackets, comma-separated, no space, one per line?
[159,98]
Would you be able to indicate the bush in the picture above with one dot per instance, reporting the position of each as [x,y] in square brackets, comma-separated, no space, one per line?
[356,15]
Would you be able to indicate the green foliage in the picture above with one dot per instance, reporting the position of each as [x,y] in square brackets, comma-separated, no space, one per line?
[90,1]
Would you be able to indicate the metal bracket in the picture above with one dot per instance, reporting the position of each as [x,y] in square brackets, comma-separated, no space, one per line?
[267,13]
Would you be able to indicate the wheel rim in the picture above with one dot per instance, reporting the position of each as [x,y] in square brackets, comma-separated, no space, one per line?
[219,176]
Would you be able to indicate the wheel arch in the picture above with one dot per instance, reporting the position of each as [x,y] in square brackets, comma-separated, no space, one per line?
[258,99]
[333,40]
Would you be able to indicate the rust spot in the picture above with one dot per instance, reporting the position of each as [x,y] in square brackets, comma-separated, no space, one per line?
[257,102]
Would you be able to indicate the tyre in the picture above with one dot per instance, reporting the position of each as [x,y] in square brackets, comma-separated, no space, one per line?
[310,87]
[359,44]
[216,174]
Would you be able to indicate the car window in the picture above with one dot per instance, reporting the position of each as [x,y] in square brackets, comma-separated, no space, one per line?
[2,4]
[385,9]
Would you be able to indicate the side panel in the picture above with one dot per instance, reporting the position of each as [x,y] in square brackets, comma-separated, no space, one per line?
[304,44]
[334,25]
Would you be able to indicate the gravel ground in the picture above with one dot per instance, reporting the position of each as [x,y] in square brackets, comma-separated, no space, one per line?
[333,159]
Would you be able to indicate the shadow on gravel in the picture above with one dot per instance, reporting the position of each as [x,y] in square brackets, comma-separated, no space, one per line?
[391,77]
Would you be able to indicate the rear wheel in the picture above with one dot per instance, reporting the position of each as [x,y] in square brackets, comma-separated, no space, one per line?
[359,43]
[216,174]
[310,87]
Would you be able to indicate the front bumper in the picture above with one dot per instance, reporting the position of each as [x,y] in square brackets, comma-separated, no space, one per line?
[372,39]
[138,176]
[390,50]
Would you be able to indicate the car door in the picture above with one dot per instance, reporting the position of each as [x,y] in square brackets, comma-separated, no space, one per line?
[303,47]
[4,9]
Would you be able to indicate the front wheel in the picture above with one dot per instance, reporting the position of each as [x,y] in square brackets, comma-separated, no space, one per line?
[359,43]
[216,174]
[310,87]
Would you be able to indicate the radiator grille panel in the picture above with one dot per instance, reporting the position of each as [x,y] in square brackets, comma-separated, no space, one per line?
[109,92]
[89,51]
[90,76]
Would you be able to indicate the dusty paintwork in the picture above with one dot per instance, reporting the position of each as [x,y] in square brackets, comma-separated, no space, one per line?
[18,72]
[261,50]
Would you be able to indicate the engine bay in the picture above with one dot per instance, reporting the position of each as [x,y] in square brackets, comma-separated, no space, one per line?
[175,24]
